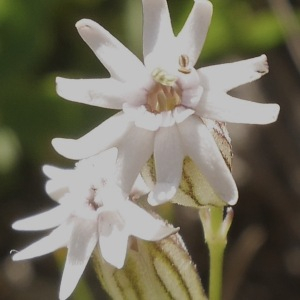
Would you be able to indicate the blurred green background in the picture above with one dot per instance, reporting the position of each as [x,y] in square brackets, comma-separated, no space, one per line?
[38,41]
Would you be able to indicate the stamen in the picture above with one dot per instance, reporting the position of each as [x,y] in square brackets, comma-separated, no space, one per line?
[163,98]
[183,63]
[165,95]
[163,77]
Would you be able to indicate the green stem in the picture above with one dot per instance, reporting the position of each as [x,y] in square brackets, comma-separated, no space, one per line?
[216,246]
[216,271]
[216,238]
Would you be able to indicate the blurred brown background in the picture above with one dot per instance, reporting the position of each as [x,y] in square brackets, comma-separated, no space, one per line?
[38,41]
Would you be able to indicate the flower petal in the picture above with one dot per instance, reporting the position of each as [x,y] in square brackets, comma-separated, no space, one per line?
[228,76]
[56,173]
[180,113]
[168,157]
[105,136]
[202,149]
[56,189]
[224,108]
[59,183]
[191,38]
[142,117]
[113,240]
[107,93]
[162,192]
[58,238]
[191,89]
[139,188]
[158,35]
[45,220]
[152,229]
[117,59]
[134,152]
[82,243]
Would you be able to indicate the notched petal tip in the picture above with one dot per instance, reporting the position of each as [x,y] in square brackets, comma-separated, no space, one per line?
[261,65]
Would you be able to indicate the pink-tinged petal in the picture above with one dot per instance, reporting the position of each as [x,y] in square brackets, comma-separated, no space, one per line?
[134,152]
[82,243]
[226,77]
[202,149]
[45,220]
[168,157]
[152,229]
[107,93]
[113,239]
[105,136]
[117,59]
[58,238]
[191,38]
[224,108]
[158,36]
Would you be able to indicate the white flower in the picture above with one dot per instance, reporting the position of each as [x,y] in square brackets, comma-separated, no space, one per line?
[92,211]
[163,102]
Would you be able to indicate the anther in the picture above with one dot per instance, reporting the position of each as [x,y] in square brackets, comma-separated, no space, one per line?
[183,64]
[163,77]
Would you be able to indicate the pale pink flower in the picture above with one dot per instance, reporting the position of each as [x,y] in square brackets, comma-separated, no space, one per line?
[92,212]
[163,102]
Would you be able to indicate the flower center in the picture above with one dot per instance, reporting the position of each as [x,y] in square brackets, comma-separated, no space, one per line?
[165,95]
[92,200]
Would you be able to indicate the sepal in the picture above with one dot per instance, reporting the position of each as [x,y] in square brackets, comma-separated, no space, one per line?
[153,270]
